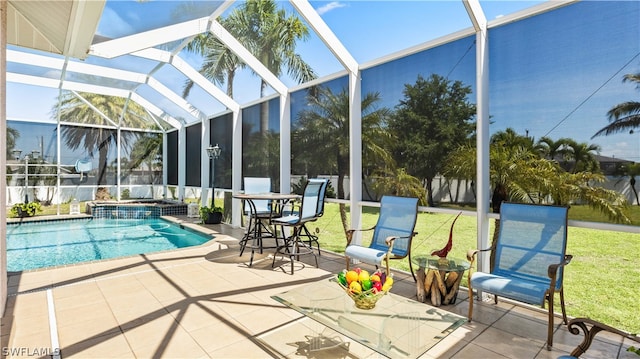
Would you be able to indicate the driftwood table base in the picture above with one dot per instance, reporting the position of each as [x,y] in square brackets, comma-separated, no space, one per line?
[441,287]
[439,282]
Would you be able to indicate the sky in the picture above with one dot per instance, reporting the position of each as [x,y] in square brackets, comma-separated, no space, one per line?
[372,29]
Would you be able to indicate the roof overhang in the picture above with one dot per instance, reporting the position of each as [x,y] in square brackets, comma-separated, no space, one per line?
[64,27]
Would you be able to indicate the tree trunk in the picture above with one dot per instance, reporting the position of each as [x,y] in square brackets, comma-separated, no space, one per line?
[430,192]
[499,196]
[102,165]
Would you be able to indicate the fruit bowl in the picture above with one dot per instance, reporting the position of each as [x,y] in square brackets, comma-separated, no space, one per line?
[365,290]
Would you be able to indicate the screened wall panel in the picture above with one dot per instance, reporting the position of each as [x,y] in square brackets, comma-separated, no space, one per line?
[415,111]
[142,160]
[222,135]
[320,134]
[193,153]
[172,158]
[554,78]
[261,141]
[31,161]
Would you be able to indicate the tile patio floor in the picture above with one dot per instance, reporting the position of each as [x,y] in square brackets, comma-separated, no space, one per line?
[205,302]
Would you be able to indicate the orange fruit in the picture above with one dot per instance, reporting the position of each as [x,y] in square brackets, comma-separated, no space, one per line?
[374,278]
[352,276]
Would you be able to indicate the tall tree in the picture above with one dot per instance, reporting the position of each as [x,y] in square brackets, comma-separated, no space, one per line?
[97,139]
[322,133]
[510,138]
[552,149]
[12,136]
[220,63]
[624,116]
[269,33]
[583,156]
[433,119]
[630,170]
[519,174]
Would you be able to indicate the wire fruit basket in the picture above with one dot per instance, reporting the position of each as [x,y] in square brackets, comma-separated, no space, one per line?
[364,290]
[366,299]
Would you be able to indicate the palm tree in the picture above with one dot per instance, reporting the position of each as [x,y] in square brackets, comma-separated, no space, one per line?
[552,150]
[624,116]
[97,139]
[268,33]
[583,156]
[630,170]
[397,182]
[12,136]
[220,63]
[322,134]
[518,174]
[510,138]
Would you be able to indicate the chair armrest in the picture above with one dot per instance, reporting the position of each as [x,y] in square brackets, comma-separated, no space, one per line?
[580,324]
[390,240]
[552,271]
[471,255]
[350,233]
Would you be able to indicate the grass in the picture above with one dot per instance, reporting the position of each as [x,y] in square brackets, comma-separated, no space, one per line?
[602,282]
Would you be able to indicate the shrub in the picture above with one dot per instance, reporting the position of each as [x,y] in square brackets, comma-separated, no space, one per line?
[25,209]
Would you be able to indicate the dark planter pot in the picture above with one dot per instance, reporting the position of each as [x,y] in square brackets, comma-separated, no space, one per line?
[213,218]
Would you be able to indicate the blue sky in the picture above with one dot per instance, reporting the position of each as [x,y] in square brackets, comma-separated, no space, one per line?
[550,102]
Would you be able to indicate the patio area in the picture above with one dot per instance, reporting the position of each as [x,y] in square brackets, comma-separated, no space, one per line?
[206,302]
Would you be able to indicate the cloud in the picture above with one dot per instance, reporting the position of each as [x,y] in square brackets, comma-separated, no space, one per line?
[330,6]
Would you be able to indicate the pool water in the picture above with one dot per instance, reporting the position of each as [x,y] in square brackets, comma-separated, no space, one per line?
[54,243]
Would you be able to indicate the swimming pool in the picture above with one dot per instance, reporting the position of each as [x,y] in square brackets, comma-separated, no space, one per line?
[53,243]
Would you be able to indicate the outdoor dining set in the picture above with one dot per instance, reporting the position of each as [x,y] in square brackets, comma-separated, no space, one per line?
[281,218]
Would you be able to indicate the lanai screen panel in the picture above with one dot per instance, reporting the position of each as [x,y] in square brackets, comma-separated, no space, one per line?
[555,76]
[320,132]
[421,146]
[172,158]
[261,141]
[193,153]
[222,135]
[141,163]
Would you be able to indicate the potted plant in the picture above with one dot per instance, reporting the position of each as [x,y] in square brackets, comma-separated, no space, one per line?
[211,215]
[21,210]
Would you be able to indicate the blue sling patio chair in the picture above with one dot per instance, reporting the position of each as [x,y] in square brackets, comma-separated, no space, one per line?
[530,255]
[261,214]
[254,185]
[392,234]
[310,209]
[304,231]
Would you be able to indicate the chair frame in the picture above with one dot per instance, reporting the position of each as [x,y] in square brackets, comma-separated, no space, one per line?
[590,328]
[256,218]
[552,273]
[389,241]
[297,222]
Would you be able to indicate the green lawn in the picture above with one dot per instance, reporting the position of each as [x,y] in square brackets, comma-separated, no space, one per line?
[602,282]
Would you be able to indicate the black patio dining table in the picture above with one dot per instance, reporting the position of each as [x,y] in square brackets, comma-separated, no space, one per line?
[257,230]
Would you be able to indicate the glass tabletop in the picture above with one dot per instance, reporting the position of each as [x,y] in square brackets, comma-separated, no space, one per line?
[396,327]
[448,264]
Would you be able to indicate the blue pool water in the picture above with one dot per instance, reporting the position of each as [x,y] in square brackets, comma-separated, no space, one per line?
[53,243]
